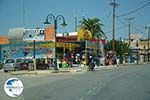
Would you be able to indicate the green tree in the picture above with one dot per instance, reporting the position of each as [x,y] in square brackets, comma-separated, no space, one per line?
[120,47]
[93,25]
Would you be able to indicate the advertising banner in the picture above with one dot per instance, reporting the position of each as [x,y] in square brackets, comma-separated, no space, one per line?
[84,35]
[33,34]
[63,45]
[49,33]
[25,51]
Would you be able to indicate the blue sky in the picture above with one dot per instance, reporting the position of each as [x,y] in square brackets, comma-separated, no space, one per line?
[35,12]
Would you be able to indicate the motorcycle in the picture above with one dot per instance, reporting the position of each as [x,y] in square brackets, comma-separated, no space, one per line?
[91,66]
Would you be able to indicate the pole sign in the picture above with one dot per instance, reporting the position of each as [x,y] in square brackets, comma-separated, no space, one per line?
[33,34]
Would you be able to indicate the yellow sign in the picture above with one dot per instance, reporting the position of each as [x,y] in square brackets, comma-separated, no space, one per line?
[64,45]
[84,35]
[52,45]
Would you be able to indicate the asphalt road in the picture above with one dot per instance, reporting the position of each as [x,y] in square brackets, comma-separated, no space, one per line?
[122,83]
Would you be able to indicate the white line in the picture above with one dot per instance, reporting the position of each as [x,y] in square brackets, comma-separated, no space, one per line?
[95,88]
[90,91]
[82,98]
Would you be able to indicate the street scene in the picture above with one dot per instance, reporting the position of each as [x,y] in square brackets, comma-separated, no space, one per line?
[74,50]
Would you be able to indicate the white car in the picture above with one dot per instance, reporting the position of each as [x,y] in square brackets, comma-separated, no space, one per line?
[11,64]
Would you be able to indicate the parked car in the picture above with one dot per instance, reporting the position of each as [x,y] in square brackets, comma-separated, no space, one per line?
[11,64]
[40,65]
[24,65]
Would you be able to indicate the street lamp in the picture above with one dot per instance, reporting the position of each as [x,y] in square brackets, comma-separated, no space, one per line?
[55,19]
[148,28]
[34,54]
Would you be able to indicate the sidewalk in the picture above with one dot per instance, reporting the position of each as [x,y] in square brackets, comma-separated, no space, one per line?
[77,69]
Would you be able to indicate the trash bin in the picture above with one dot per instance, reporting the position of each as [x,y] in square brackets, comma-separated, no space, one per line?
[30,67]
[55,67]
[60,65]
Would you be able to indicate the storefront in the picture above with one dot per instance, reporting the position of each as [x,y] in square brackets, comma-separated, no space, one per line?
[70,45]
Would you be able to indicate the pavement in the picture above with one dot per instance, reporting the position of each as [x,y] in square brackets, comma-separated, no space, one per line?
[72,70]
[51,71]
[76,69]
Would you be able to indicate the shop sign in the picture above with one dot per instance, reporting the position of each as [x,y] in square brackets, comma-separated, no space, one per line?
[33,34]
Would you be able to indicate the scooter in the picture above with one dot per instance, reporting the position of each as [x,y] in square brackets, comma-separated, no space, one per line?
[91,66]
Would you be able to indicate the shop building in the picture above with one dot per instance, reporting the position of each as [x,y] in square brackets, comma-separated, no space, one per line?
[69,45]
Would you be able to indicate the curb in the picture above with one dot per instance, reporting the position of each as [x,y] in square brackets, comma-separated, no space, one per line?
[69,70]
[23,73]
[77,70]
[1,70]
[45,72]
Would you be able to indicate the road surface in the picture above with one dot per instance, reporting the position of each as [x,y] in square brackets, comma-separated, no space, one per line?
[122,83]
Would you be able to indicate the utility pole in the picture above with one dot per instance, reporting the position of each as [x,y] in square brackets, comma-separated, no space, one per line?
[114,5]
[148,37]
[129,34]
[148,41]
[129,28]
[137,51]
[23,13]
[75,23]
[121,58]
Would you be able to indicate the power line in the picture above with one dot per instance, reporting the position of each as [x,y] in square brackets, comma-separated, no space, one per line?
[118,28]
[123,23]
[137,29]
[135,10]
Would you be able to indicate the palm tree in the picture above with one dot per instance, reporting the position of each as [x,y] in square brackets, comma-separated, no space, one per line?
[93,25]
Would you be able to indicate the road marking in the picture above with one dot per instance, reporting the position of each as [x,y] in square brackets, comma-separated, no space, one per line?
[82,98]
[90,91]
[95,88]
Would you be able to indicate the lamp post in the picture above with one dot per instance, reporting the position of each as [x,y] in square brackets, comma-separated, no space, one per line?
[34,54]
[55,19]
[137,45]
[148,37]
